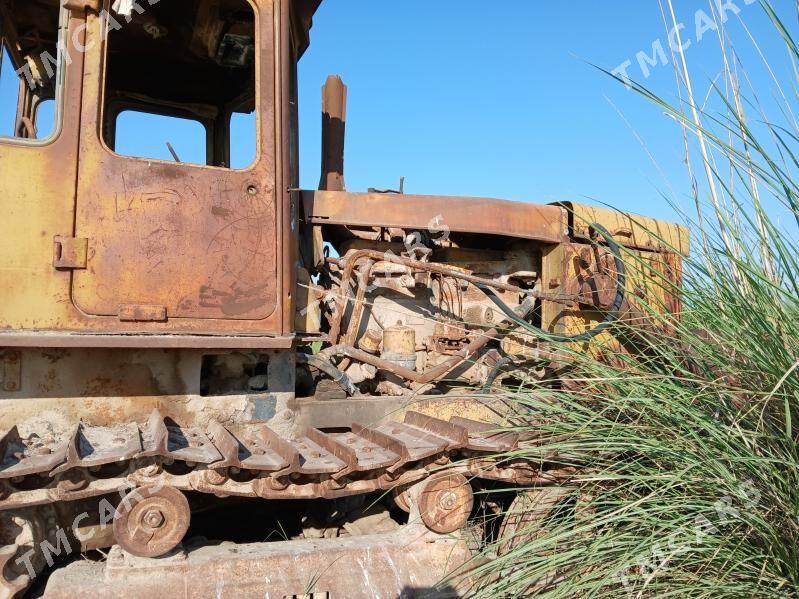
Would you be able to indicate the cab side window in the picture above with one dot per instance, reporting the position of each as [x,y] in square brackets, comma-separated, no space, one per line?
[180,82]
[30,69]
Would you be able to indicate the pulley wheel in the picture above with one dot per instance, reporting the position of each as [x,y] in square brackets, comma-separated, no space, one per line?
[446,502]
[152,521]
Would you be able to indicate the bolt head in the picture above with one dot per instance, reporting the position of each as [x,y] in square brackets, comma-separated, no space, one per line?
[153,519]
[448,501]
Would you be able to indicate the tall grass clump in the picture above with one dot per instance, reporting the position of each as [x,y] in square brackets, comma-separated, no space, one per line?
[684,448]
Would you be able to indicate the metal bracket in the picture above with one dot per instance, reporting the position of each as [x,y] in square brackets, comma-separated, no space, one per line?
[70,252]
[12,371]
[80,6]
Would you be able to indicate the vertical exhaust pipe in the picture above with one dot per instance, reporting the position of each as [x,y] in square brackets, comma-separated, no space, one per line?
[334,123]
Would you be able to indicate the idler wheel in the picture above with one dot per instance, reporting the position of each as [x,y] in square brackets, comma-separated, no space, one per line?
[152,521]
[446,502]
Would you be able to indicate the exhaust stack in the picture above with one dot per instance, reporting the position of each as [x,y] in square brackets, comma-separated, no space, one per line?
[334,122]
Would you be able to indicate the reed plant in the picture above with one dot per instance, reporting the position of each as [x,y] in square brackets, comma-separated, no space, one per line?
[684,449]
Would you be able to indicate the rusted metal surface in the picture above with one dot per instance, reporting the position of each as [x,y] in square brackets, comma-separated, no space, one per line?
[204,243]
[428,376]
[142,313]
[245,448]
[21,457]
[457,435]
[473,215]
[594,281]
[151,522]
[70,252]
[11,362]
[407,563]
[445,503]
[312,413]
[653,280]
[482,432]
[89,447]
[200,241]
[36,207]
[301,22]
[364,275]
[63,373]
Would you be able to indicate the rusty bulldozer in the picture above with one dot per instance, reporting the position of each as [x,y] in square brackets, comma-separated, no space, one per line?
[213,383]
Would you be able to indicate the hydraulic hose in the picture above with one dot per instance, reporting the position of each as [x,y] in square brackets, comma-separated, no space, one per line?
[495,372]
[611,316]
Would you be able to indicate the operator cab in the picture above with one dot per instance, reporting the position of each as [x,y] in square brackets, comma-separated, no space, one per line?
[161,137]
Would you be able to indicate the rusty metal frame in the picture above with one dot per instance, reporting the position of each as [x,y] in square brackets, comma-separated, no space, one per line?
[484,216]
[89,340]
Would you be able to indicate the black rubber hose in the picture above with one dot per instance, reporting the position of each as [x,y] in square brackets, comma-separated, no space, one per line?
[495,372]
[611,317]
[339,377]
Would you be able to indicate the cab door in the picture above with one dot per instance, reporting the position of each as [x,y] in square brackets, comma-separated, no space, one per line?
[172,246]
[40,79]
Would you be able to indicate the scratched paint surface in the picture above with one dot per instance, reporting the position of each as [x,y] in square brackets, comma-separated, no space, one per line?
[200,242]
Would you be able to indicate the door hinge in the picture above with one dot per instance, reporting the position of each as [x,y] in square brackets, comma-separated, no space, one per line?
[11,362]
[70,252]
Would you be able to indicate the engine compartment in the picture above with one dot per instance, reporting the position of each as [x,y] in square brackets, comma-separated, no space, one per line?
[419,300]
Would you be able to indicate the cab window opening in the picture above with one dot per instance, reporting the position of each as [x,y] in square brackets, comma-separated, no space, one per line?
[180,84]
[30,69]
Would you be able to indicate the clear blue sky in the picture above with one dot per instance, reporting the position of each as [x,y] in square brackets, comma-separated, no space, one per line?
[465,97]
[499,99]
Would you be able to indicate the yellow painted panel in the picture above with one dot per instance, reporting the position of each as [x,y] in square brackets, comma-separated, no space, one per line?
[639,232]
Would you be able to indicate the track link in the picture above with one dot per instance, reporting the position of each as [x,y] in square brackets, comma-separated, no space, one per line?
[249,460]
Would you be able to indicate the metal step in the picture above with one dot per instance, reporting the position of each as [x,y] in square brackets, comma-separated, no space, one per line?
[244,448]
[23,457]
[90,447]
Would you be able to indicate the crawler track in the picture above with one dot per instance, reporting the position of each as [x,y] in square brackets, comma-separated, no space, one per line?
[43,478]
[248,460]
